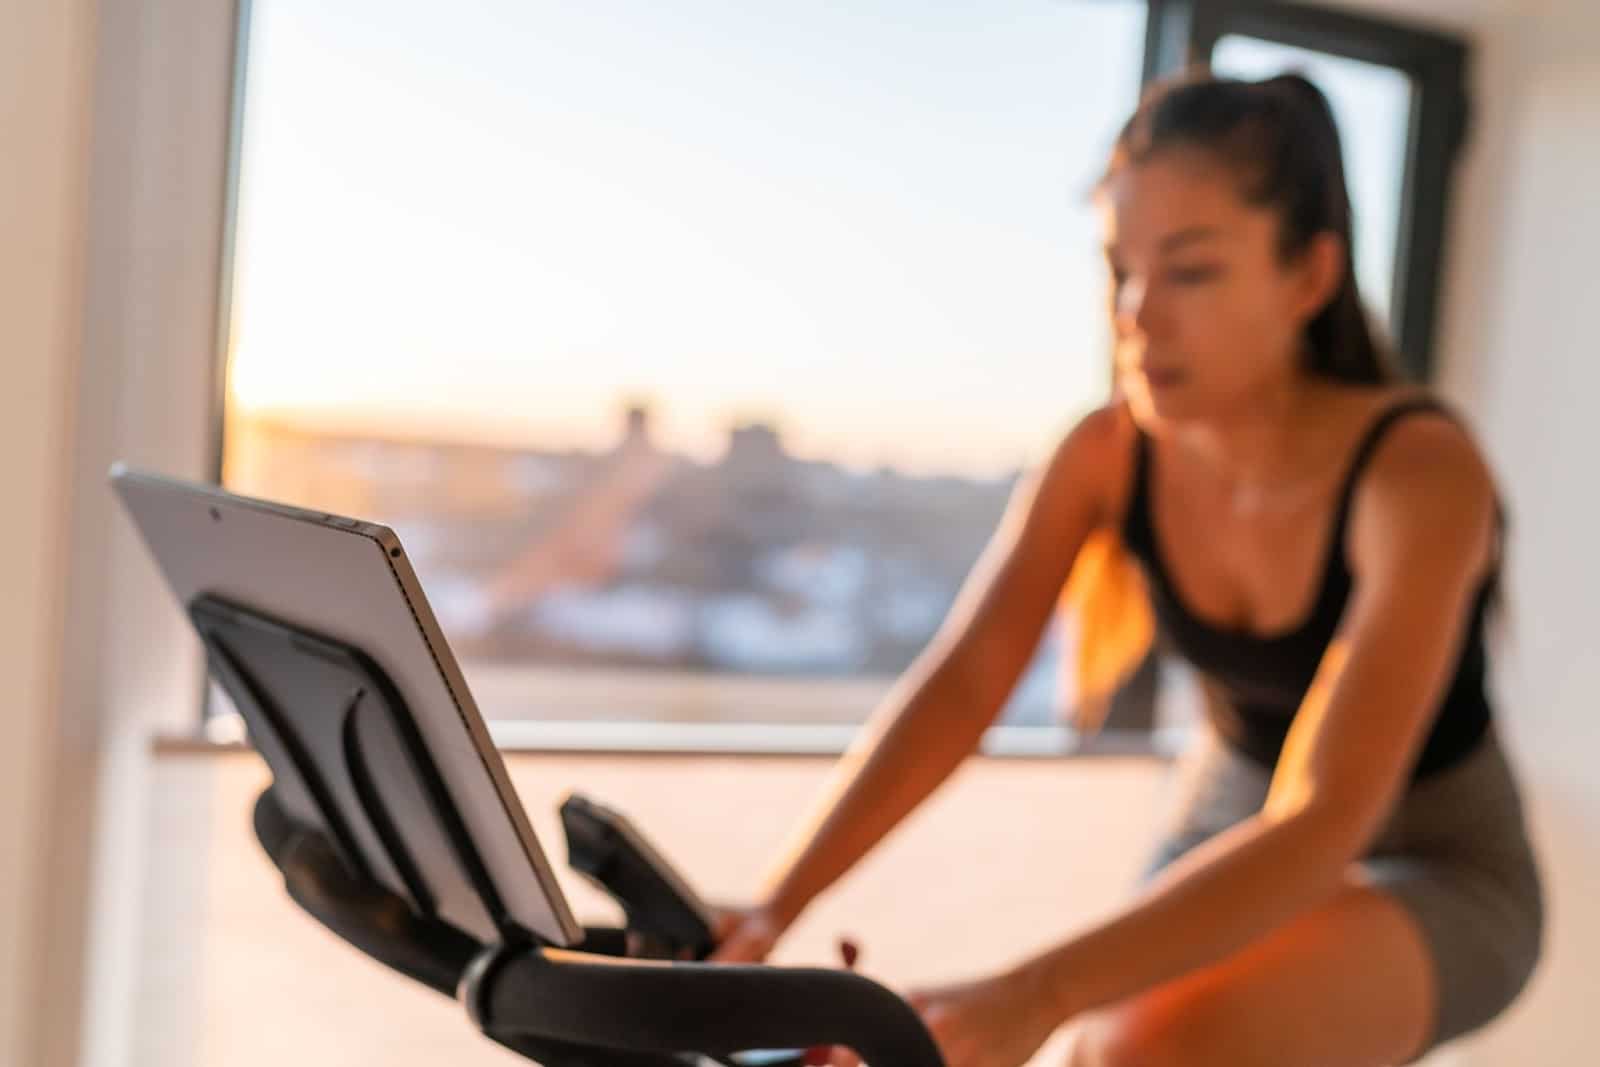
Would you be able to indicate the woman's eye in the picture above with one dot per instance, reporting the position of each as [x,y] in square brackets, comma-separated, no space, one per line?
[1193,275]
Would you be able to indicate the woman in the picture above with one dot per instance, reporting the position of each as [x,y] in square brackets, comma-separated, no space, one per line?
[1347,880]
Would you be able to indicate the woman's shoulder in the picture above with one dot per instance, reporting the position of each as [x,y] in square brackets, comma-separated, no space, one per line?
[1094,456]
[1421,461]
[1371,402]
[1371,425]
[1408,420]
[1107,427]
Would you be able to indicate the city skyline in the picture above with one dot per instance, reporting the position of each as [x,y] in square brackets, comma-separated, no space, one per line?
[632,422]
[602,433]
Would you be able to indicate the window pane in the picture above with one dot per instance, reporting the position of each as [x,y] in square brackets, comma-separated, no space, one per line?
[692,349]
[1372,105]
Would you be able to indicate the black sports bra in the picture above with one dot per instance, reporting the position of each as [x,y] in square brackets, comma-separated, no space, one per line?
[1255,683]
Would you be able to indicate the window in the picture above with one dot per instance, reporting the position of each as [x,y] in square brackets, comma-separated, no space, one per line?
[692,349]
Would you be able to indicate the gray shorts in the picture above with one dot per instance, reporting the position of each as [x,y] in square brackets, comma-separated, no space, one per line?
[1455,854]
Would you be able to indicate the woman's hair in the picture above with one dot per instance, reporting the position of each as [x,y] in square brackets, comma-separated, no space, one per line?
[1279,140]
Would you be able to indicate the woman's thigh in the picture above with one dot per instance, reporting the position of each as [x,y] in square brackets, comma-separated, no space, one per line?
[1454,861]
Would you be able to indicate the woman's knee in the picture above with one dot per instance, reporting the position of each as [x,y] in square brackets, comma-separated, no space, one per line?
[1149,1031]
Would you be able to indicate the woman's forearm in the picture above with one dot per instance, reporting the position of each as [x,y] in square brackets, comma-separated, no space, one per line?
[936,713]
[926,726]
[1209,904]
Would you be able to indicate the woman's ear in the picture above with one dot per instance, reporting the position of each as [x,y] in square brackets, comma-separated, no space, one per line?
[1322,267]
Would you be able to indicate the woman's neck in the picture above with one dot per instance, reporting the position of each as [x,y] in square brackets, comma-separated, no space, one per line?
[1272,442]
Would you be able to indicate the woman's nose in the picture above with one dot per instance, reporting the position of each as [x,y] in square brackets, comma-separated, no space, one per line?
[1132,305]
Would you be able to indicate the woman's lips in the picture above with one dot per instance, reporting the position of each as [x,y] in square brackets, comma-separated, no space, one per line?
[1162,377]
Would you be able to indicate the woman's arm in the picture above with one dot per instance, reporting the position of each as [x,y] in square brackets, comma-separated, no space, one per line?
[1421,537]
[936,713]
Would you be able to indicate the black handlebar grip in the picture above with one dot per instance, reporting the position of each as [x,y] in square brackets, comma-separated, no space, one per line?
[660,906]
[712,1008]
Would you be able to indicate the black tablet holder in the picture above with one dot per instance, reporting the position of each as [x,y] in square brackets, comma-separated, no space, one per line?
[370,843]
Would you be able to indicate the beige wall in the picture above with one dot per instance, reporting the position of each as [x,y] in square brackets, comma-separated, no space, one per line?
[44,100]
[113,118]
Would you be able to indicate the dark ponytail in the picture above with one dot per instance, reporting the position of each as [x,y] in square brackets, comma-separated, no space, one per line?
[1280,137]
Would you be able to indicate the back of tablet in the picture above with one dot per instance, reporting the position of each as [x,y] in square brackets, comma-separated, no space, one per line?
[350,580]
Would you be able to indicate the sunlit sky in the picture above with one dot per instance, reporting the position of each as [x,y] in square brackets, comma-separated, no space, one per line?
[503,219]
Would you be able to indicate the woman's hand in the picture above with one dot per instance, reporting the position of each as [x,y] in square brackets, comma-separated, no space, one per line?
[998,1021]
[745,934]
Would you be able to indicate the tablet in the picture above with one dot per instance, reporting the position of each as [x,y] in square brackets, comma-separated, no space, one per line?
[349,582]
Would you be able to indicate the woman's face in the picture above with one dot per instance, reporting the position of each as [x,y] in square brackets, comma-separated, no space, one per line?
[1206,315]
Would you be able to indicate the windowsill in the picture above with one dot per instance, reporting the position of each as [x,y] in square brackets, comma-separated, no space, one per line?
[225,734]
